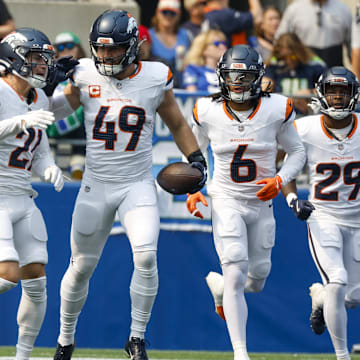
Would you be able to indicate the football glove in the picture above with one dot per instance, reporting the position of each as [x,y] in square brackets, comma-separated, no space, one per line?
[64,67]
[271,189]
[301,208]
[196,159]
[40,118]
[54,175]
[191,202]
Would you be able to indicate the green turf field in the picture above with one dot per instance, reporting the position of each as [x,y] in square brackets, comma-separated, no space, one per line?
[186,355]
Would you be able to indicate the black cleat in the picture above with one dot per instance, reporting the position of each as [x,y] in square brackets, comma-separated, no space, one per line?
[317,321]
[64,352]
[135,349]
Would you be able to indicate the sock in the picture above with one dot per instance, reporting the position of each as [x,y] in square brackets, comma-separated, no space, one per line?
[30,315]
[143,290]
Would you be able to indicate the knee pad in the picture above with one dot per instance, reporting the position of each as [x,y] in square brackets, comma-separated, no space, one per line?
[254,285]
[145,260]
[234,252]
[6,285]
[35,289]
[260,269]
[85,219]
[337,275]
[82,266]
[352,297]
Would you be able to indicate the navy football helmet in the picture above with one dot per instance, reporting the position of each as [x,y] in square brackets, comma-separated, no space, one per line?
[341,103]
[114,28]
[28,53]
[240,71]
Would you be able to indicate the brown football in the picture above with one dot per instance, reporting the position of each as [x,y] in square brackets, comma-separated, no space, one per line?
[179,178]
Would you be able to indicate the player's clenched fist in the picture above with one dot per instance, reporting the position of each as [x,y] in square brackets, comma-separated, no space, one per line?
[40,118]
[191,202]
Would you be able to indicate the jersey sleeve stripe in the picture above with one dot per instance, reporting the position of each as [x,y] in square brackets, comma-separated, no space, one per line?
[195,114]
[169,77]
[289,109]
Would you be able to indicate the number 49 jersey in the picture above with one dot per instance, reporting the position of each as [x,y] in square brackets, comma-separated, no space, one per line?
[244,151]
[334,171]
[119,118]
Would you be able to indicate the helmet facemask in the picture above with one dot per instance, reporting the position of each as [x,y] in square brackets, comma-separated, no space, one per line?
[337,100]
[36,67]
[239,85]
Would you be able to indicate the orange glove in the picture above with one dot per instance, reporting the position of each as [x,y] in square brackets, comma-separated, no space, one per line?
[191,202]
[271,189]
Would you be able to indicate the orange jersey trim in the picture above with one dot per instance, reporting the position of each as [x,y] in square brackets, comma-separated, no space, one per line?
[355,126]
[289,109]
[137,72]
[226,111]
[324,128]
[256,110]
[195,113]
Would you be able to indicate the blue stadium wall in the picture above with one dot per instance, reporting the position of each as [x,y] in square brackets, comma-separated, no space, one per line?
[183,315]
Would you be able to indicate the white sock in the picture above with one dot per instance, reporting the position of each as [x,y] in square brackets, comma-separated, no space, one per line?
[143,290]
[235,307]
[73,291]
[30,315]
[336,318]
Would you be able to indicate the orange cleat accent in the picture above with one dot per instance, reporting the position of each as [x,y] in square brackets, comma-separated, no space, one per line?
[220,311]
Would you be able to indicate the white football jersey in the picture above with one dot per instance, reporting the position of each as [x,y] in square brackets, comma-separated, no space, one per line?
[244,151]
[17,152]
[334,171]
[119,118]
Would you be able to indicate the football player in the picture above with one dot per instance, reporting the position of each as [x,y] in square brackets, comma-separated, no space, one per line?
[27,63]
[332,144]
[120,96]
[243,125]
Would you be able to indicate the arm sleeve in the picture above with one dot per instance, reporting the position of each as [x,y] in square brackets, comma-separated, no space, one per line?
[60,106]
[296,156]
[10,127]
[42,157]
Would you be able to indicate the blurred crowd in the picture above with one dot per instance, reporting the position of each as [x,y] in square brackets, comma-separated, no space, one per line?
[297,45]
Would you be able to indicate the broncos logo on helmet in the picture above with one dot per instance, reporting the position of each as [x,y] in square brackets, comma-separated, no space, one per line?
[338,91]
[114,28]
[240,71]
[28,54]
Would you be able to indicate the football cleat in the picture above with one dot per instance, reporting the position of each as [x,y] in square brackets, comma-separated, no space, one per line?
[317,320]
[215,282]
[64,352]
[135,349]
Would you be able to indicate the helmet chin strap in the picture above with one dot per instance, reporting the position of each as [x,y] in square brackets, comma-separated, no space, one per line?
[336,114]
[240,97]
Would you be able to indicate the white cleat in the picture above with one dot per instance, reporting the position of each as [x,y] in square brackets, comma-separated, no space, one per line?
[215,282]
[317,321]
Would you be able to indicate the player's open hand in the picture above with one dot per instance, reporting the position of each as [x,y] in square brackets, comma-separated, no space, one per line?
[271,189]
[191,202]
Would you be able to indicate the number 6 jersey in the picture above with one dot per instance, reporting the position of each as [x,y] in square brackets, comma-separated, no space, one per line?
[334,170]
[119,117]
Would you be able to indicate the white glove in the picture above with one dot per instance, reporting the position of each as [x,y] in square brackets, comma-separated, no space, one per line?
[54,175]
[40,118]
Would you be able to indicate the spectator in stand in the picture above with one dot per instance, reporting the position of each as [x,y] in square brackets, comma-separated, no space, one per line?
[322,25]
[145,43]
[201,60]
[7,24]
[293,70]
[168,41]
[196,11]
[72,127]
[231,22]
[263,41]
[355,43]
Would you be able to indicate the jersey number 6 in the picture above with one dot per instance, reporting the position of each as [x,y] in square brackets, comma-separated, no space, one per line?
[238,162]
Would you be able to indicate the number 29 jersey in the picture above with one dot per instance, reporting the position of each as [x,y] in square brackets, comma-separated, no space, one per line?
[334,171]
[119,118]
